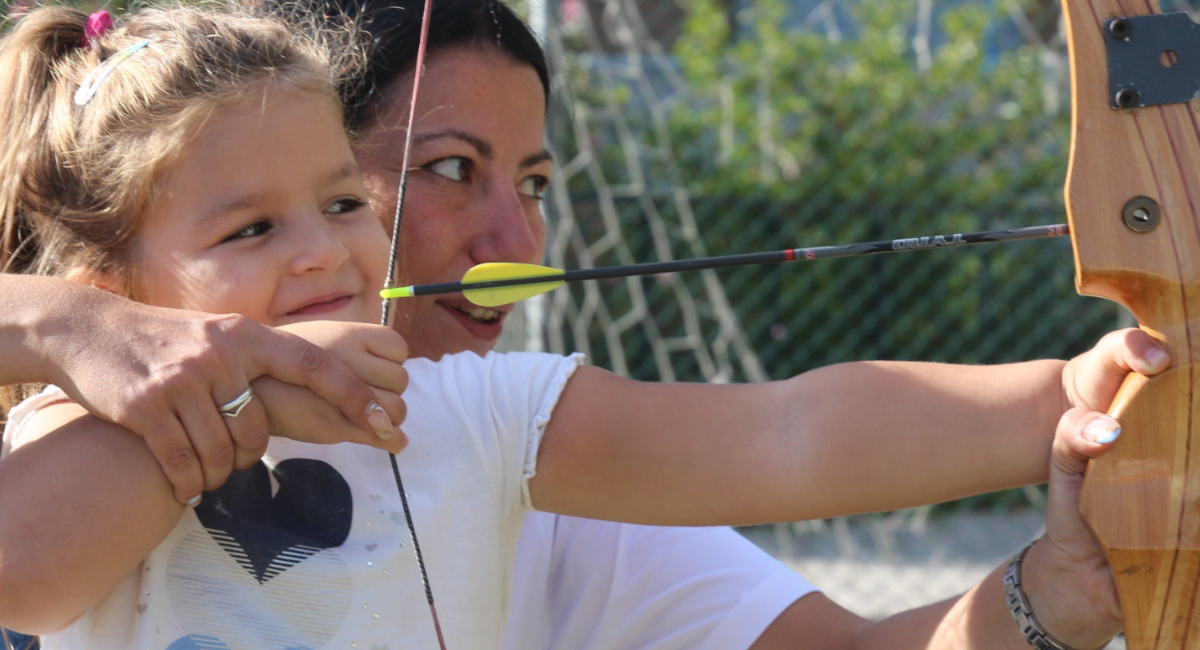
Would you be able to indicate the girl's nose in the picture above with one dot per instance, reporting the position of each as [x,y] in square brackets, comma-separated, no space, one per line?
[318,248]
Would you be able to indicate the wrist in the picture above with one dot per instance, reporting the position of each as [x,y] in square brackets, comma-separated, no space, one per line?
[55,330]
[1062,608]
[34,330]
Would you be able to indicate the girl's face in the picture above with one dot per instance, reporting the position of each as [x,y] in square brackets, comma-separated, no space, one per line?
[265,215]
[478,169]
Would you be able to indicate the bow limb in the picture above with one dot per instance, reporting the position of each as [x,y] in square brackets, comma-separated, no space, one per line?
[1142,499]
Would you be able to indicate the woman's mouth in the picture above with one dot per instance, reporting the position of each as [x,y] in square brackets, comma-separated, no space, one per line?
[480,322]
[479,314]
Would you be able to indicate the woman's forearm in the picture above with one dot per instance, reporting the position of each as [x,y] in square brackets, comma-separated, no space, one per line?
[840,440]
[33,310]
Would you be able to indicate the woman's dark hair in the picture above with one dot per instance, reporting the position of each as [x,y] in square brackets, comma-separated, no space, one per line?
[392,30]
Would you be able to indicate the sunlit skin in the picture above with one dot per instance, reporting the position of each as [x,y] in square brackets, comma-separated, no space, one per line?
[257,221]
[474,188]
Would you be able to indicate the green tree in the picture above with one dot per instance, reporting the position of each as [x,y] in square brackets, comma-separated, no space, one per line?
[790,138]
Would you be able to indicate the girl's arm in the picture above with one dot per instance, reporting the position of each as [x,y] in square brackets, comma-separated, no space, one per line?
[174,366]
[83,501]
[844,439]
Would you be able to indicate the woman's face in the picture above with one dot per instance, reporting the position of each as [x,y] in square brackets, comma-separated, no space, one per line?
[477,171]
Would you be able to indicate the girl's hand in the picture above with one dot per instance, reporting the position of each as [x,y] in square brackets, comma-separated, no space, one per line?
[376,354]
[162,373]
[1091,379]
[1067,578]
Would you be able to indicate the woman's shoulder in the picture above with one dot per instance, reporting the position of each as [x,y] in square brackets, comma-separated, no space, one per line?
[506,371]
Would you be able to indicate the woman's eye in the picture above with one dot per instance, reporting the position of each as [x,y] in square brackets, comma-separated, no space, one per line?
[253,230]
[456,168]
[534,186]
[344,206]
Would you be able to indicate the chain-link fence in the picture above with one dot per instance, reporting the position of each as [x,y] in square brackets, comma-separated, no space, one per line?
[707,127]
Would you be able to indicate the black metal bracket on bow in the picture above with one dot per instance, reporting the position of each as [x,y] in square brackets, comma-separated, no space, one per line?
[1152,60]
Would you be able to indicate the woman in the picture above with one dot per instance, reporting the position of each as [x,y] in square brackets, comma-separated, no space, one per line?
[457,168]
[478,158]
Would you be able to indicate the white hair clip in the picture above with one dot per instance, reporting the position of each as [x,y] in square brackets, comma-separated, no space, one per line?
[87,89]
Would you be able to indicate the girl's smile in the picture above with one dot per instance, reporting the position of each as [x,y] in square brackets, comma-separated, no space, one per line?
[265,215]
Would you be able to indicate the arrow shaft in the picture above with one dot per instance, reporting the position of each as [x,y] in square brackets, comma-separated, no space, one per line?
[750,259]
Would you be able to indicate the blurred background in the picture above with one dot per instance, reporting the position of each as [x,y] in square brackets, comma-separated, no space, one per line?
[684,128]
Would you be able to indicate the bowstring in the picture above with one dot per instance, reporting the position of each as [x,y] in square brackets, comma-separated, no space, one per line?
[387,302]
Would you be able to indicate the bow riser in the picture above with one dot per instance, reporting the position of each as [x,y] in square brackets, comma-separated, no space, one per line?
[1142,499]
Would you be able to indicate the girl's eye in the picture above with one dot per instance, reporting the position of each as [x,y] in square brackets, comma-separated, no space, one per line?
[255,229]
[345,206]
[533,187]
[456,169]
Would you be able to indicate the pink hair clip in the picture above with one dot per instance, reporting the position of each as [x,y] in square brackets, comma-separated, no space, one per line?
[97,24]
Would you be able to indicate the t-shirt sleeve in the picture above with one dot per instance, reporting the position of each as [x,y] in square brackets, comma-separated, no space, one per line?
[503,402]
[624,586]
[20,414]
[527,386]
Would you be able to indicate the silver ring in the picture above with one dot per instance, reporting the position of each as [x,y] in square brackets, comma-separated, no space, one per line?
[234,408]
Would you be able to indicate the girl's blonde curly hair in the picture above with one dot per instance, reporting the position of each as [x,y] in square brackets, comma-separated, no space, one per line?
[75,180]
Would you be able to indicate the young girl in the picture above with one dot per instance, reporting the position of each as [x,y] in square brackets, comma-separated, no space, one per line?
[197,160]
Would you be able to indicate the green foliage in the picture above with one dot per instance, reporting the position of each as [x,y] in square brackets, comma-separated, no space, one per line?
[787,138]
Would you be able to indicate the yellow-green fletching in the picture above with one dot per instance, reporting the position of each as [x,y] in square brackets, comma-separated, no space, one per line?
[492,271]
[396,292]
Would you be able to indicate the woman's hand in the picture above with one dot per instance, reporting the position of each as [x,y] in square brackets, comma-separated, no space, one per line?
[1067,578]
[1091,379]
[375,354]
[163,373]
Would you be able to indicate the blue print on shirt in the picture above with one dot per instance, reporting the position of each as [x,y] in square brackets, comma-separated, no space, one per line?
[270,534]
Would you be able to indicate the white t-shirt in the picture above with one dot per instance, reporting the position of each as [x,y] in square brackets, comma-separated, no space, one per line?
[597,585]
[309,549]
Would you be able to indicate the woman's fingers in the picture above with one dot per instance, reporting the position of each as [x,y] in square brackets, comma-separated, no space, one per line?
[1082,435]
[1092,378]
[173,449]
[1067,577]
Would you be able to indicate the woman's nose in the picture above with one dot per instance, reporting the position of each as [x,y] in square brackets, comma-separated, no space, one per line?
[509,232]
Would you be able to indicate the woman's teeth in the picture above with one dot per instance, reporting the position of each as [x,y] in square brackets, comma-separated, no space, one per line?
[479,313]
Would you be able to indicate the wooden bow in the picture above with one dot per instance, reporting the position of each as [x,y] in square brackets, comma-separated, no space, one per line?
[1133,198]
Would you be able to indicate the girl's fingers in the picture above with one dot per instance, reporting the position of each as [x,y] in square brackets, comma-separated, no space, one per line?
[386,343]
[289,358]
[297,413]
[381,374]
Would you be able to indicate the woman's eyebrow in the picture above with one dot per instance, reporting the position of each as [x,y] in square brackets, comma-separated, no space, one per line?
[539,157]
[482,146]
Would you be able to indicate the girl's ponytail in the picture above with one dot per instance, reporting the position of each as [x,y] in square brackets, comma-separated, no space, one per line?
[33,58]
